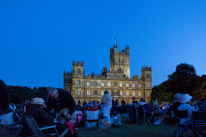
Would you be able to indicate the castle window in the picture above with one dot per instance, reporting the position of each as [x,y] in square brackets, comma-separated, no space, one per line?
[76,92]
[125,60]
[95,92]
[120,93]
[139,85]
[125,70]
[102,92]
[147,75]
[102,84]
[140,93]
[95,83]
[109,84]
[127,93]
[148,85]
[88,83]
[133,93]
[127,84]
[148,94]
[114,76]
[79,82]
[120,84]
[133,85]
[79,92]
[88,92]
[108,75]
[78,71]
[115,84]
[120,76]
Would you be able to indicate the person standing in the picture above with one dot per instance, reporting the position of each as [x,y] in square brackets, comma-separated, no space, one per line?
[60,99]
[106,104]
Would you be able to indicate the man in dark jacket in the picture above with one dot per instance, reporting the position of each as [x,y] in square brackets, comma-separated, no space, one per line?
[59,99]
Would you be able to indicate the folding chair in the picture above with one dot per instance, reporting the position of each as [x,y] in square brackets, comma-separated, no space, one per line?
[141,115]
[7,125]
[199,124]
[92,116]
[181,128]
[148,118]
[36,131]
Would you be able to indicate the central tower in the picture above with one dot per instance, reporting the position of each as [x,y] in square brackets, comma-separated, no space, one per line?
[119,61]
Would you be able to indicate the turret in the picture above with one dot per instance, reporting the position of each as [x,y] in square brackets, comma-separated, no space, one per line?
[78,69]
[147,73]
[127,50]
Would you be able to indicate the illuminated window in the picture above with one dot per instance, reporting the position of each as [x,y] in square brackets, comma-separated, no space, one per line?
[102,84]
[88,92]
[133,85]
[102,92]
[127,84]
[133,93]
[140,93]
[120,84]
[120,93]
[127,93]
[88,83]
[139,85]
[109,84]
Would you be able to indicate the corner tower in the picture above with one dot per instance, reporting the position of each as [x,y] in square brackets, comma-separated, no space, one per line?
[147,73]
[78,69]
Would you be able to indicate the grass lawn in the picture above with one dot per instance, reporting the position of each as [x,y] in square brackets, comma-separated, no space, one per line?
[131,130]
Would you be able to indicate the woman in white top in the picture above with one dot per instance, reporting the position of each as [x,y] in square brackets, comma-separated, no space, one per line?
[107,104]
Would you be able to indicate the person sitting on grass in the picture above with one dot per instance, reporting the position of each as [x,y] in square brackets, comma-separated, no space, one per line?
[64,114]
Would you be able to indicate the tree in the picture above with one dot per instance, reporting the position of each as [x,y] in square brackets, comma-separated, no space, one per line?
[161,93]
[183,80]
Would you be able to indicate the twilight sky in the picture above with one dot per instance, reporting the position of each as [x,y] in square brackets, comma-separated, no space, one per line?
[39,39]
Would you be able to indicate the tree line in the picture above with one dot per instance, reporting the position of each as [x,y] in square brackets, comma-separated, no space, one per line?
[183,80]
[18,94]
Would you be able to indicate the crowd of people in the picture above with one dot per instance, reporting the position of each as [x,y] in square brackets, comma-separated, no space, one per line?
[61,110]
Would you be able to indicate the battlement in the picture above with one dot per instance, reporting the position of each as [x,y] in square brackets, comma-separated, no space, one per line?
[68,73]
[146,68]
[114,50]
[78,63]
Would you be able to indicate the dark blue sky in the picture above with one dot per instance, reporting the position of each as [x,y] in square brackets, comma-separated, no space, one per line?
[39,39]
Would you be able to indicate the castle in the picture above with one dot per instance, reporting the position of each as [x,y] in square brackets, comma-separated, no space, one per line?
[116,80]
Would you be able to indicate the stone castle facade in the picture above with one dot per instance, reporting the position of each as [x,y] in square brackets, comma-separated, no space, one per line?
[116,80]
